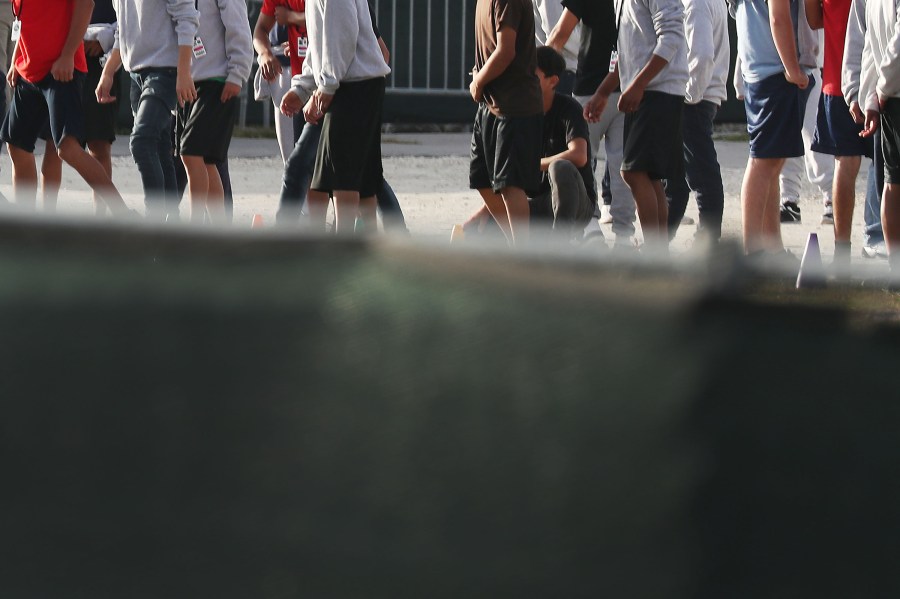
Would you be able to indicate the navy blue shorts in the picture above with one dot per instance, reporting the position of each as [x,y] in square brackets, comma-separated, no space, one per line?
[33,105]
[836,132]
[506,152]
[775,109]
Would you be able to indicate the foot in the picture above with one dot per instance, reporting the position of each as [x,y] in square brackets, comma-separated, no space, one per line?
[790,212]
[875,249]
[605,216]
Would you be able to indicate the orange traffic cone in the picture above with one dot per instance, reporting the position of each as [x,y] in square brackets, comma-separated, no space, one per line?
[257,222]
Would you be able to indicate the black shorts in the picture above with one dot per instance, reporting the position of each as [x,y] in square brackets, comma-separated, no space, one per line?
[837,134]
[99,119]
[34,104]
[652,137]
[204,127]
[506,152]
[890,140]
[349,153]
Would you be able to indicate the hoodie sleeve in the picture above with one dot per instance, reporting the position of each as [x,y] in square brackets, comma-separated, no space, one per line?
[340,31]
[186,18]
[701,52]
[889,79]
[868,98]
[851,69]
[304,84]
[668,23]
[238,40]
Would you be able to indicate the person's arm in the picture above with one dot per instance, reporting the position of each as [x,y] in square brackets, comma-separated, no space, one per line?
[851,67]
[286,16]
[113,62]
[668,24]
[738,80]
[267,61]
[238,46]
[701,51]
[12,75]
[632,96]
[597,104]
[563,30]
[63,68]
[576,153]
[814,14]
[497,63]
[783,33]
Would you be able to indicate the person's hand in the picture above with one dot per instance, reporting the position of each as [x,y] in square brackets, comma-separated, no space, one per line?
[291,103]
[595,107]
[317,107]
[476,91]
[103,89]
[12,76]
[870,126]
[229,91]
[269,66]
[184,88]
[286,48]
[63,68]
[631,98]
[856,113]
[800,79]
[93,48]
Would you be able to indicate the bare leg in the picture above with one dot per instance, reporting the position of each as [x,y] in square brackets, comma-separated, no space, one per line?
[759,205]
[518,213]
[648,205]
[368,212]
[24,177]
[346,207]
[215,197]
[772,218]
[93,174]
[51,177]
[890,222]
[317,204]
[198,184]
[102,152]
[843,193]
[497,208]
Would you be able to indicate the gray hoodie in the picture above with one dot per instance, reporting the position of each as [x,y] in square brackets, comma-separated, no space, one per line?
[651,27]
[883,42]
[225,33]
[149,31]
[851,69]
[351,53]
[706,29]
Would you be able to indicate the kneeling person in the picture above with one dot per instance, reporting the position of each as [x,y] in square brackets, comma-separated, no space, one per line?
[567,195]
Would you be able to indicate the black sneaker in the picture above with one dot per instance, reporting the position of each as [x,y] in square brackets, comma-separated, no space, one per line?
[790,212]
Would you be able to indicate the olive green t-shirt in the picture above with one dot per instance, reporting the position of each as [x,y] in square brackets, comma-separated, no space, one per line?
[516,92]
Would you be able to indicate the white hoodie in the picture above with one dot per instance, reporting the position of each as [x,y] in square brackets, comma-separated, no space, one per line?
[883,43]
[706,29]
[342,43]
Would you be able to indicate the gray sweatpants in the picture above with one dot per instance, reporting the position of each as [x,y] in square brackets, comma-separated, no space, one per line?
[567,202]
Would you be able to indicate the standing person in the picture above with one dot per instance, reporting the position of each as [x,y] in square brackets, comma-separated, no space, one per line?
[47,74]
[598,40]
[853,73]
[205,125]
[546,16]
[506,140]
[882,106]
[280,40]
[775,97]
[100,119]
[160,67]
[652,68]
[837,134]
[348,68]
[706,29]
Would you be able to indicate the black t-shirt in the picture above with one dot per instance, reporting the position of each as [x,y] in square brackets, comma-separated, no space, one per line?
[103,12]
[598,38]
[563,123]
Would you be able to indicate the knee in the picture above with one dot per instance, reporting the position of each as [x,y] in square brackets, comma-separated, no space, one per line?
[561,168]
[68,150]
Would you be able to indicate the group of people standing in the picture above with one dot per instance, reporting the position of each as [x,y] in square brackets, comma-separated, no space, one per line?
[650,76]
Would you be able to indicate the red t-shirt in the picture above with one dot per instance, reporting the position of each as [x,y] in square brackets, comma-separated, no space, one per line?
[45,27]
[297,37]
[835,14]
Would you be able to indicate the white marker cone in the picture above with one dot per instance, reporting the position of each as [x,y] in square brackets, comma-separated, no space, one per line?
[812,272]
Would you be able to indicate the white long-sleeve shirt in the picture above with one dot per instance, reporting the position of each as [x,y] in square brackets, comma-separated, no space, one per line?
[653,27]
[883,41]
[708,50]
[342,43]
[148,33]
[546,16]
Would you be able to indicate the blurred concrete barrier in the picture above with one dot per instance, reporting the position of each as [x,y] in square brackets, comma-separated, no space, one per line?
[260,416]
